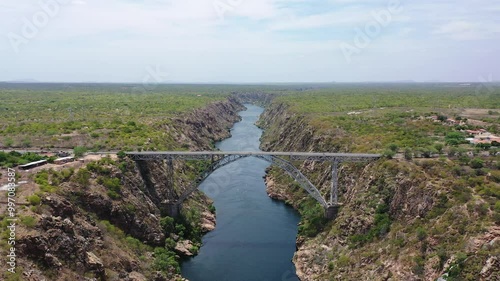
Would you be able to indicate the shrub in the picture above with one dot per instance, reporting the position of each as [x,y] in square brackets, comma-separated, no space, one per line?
[439,147]
[421,234]
[419,268]
[454,138]
[457,267]
[212,209]
[313,218]
[408,154]
[82,177]
[135,244]
[170,243]
[110,183]
[389,154]
[79,151]
[343,261]
[194,249]
[165,261]
[495,176]
[28,221]
[34,199]
[381,227]
[393,147]
[113,195]
[121,155]
[167,224]
[476,163]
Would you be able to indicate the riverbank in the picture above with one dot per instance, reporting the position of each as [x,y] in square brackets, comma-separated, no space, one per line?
[415,219]
[104,221]
[253,231]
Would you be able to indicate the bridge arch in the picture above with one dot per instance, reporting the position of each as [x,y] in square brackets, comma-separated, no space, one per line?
[285,165]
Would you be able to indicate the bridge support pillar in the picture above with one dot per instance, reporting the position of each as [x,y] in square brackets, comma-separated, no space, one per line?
[332,211]
[172,209]
[335,182]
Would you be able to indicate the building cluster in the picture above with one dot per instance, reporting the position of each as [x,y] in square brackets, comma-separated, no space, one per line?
[448,121]
[481,136]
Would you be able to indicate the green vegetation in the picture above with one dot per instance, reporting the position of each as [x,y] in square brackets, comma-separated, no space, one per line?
[13,158]
[132,243]
[79,151]
[389,117]
[165,259]
[34,199]
[95,117]
[431,160]
[313,218]
[381,225]
[28,221]
[420,207]
[112,184]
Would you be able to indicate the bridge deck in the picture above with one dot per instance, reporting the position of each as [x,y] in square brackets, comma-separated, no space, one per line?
[197,155]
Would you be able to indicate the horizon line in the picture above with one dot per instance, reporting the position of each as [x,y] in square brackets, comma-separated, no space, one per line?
[248,83]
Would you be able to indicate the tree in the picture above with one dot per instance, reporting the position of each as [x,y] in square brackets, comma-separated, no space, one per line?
[79,151]
[389,154]
[408,154]
[442,118]
[476,163]
[393,147]
[439,147]
[454,138]
[121,155]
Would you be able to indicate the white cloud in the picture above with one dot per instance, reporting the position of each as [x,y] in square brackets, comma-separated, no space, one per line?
[463,30]
[118,39]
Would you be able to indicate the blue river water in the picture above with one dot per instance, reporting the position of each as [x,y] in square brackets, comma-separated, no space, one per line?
[254,239]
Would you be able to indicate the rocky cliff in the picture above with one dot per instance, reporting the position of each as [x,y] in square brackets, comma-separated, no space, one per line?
[399,220]
[103,220]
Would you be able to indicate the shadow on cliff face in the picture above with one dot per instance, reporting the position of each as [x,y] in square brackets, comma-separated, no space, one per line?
[104,220]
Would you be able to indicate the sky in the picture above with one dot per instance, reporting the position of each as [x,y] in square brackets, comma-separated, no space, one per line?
[249,41]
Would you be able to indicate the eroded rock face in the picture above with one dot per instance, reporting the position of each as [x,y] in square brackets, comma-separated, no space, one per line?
[95,264]
[60,206]
[135,276]
[63,241]
[491,269]
[198,130]
[207,221]
[408,192]
[184,247]
[74,236]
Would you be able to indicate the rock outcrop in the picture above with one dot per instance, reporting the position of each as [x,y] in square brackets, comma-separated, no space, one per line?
[383,230]
[83,233]
[184,248]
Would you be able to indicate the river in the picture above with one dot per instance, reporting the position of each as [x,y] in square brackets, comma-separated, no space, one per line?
[255,236]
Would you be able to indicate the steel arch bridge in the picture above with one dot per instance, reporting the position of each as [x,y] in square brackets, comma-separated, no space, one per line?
[219,159]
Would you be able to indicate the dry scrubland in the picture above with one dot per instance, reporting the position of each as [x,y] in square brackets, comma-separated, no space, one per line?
[429,208]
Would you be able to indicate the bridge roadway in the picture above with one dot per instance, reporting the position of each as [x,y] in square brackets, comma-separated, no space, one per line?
[294,156]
